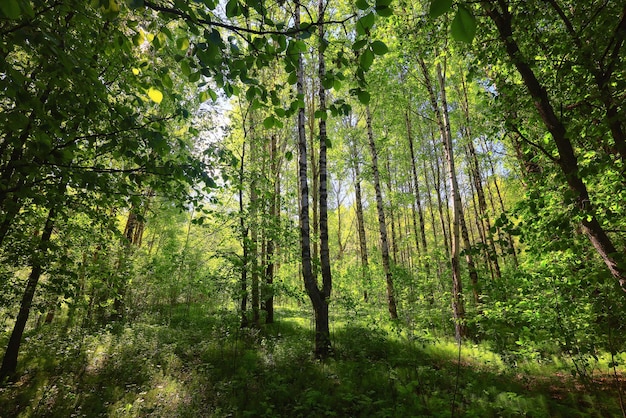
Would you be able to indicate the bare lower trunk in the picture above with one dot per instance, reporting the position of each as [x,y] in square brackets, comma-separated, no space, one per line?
[9,362]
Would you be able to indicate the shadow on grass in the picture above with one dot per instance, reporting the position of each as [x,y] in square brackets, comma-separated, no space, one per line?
[206,366]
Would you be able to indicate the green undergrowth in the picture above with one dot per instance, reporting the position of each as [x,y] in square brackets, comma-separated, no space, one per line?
[193,363]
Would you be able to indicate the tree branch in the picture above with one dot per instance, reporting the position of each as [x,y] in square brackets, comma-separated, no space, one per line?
[238,29]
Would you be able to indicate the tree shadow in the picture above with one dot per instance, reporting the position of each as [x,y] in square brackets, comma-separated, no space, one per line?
[208,366]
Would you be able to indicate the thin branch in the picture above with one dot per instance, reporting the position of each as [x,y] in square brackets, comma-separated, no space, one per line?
[238,29]
[536,145]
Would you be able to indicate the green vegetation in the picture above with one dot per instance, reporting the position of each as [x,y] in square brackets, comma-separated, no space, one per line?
[311,208]
[203,364]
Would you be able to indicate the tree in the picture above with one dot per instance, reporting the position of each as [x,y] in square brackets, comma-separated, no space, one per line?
[382,224]
[567,160]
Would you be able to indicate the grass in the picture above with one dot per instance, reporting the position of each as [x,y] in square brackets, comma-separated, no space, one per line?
[202,365]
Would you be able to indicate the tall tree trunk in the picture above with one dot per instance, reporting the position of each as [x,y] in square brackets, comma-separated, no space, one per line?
[418,199]
[441,114]
[475,175]
[9,362]
[243,230]
[567,161]
[441,203]
[274,210]
[382,224]
[392,217]
[360,219]
[320,305]
[323,190]
[457,208]
[254,251]
[315,176]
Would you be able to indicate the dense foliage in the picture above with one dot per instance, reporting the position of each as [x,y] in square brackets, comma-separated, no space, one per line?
[182,182]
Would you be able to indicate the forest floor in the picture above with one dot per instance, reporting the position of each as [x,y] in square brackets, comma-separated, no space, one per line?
[185,363]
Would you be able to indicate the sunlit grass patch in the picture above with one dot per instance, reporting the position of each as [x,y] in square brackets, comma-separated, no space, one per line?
[203,366]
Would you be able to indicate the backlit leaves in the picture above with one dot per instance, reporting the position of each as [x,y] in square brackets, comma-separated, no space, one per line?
[155,95]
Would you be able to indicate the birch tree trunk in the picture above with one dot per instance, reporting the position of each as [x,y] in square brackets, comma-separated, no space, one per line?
[382,225]
[320,305]
[324,348]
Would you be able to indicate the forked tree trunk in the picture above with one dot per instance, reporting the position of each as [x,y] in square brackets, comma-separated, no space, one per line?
[382,224]
[319,302]
[476,177]
[323,350]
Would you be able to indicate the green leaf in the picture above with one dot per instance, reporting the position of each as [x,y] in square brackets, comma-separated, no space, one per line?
[289,155]
[366,60]
[184,67]
[463,26]
[382,3]
[135,4]
[384,11]
[193,77]
[379,48]
[269,122]
[328,82]
[232,8]
[182,44]
[321,114]
[439,7]
[365,23]
[10,8]
[362,4]
[167,81]
[155,95]
[359,44]
[364,96]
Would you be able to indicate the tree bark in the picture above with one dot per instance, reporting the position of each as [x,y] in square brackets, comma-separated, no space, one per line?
[416,189]
[243,230]
[475,175]
[320,305]
[382,224]
[358,201]
[274,211]
[442,118]
[323,350]
[9,362]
